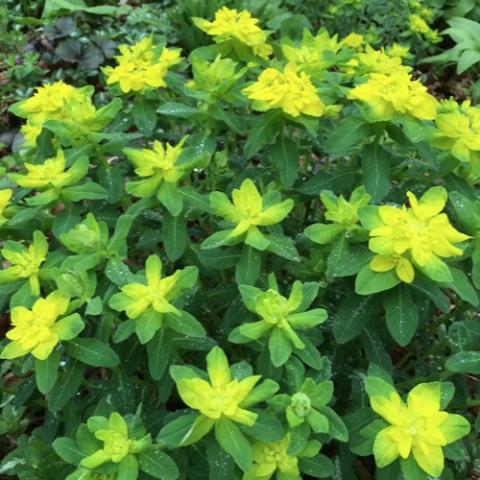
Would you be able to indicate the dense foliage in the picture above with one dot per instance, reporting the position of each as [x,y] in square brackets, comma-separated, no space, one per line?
[240,240]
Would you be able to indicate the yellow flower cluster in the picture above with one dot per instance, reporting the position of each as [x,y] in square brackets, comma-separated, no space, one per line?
[419,21]
[416,235]
[458,130]
[293,92]
[56,101]
[384,96]
[5,196]
[382,61]
[229,24]
[141,66]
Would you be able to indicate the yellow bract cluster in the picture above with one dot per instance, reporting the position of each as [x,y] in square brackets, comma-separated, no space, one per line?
[5,196]
[293,92]
[141,66]
[378,61]
[420,234]
[417,427]
[57,101]
[241,26]
[384,96]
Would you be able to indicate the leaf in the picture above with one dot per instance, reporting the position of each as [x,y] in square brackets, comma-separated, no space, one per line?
[401,314]
[369,282]
[345,260]
[342,179]
[348,133]
[319,466]
[461,285]
[93,352]
[267,428]
[172,434]
[67,387]
[86,191]
[427,288]
[464,362]
[351,317]
[467,59]
[68,450]
[175,236]
[279,346]
[232,440]
[285,156]
[263,130]
[283,247]
[159,349]
[247,269]
[158,464]
[144,115]
[46,372]
[376,171]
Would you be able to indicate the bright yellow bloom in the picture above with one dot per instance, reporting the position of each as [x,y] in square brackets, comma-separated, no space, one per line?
[353,40]
[418,24]
[419,234]
[25,263]
[314,53]
[384,96]
[247,213]
[376,61]
[458,130]
[37,331]
[140,66]
[231,24]
[116,439]
[293,92]
[5,196]
[159,164]
[417,427]
[398,50]
[51,173]
[220,396]
[273,457]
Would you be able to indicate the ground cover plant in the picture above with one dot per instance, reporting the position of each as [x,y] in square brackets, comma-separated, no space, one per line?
[240,240]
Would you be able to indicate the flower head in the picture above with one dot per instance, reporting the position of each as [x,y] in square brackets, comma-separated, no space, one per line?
[117,441]
[221,396]
[149,302]
[417,428]
[376,61]
[418,234]
[280,318]
[248,212]
[241,26]
[141,66]
[353,40]
[290,91]
[25,262]
[343,215]
[37,331]
[5,197]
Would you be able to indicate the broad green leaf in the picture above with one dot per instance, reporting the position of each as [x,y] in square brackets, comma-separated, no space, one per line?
[234,442]
[285,156]
[92,352]
[46,372]
[157,464]
[376,171]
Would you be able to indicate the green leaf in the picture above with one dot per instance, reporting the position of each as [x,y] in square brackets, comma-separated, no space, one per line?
[376,171]
[464,362]
[283,247]
[338,430]
[175,236]
[232,440]
[172,434]
[401,314]
[144,115]
[68,450]
[427,288]
[92,352]
[279,346]
[158,464]
[46,372]
[345,260]
[347,134]
[247,269]
[369,282]
[285,156]
[128,468]
[263,131]
[186,324]
[86,191]
[351,317]
[159,350]
[461,285]
[267,428]
[67,387]
[319,466]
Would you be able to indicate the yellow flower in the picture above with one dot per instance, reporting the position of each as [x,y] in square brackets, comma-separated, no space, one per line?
[398,50]
[5,196]
[416,428]
[353,40]
[418,24]
[220,396]
[140,67]
[458,130]
[376,61]
[37,331]
[25,263]
[419,234]
[159,164]
[314,53]
[247,213]
[273,457]
[384,96]
[30,133]
[403,267]
[293,92]
[51,173]
[231,24]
